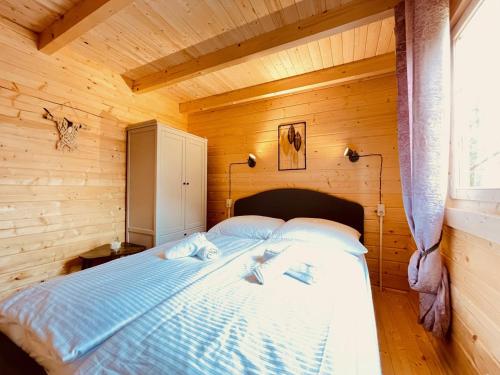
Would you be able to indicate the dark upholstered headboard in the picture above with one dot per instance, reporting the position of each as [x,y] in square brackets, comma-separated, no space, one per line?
[287,204]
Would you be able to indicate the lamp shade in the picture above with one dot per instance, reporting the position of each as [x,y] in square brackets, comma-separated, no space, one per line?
[351,154]
[252,160]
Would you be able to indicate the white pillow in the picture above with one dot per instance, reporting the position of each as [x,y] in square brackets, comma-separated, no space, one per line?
[248,226]
[325,232]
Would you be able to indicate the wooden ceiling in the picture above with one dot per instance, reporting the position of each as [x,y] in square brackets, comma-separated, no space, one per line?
[142,37]
[35,15]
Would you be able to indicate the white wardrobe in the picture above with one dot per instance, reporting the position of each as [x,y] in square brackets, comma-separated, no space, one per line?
[166,183]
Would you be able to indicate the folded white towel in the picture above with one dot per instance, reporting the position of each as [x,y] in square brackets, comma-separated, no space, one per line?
[275,266]
[208,252]
[303,272]
[190,246]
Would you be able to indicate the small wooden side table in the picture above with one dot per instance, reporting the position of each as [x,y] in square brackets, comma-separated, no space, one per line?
[103,254]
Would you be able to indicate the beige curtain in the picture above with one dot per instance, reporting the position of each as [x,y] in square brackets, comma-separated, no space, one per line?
[423,72]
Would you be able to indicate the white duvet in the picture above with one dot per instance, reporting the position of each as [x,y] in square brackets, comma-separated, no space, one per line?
[228,324]
[147,315]
[61,320]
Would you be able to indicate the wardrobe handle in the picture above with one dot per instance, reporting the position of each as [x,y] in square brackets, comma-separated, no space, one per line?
[187,183]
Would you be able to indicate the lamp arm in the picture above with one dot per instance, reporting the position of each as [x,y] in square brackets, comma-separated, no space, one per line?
[380,213]
[230,171]
[380,174]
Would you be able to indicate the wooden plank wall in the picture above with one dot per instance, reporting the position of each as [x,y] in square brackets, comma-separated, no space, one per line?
[362,115]
[474,343]
[55,205]
[473,346]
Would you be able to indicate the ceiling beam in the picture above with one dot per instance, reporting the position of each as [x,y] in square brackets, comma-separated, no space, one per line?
[351,15]
[360,69]
[83,17]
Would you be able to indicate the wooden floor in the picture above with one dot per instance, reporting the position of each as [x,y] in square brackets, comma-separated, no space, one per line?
[405,348]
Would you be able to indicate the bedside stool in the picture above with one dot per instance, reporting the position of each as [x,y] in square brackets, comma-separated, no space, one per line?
[103,254]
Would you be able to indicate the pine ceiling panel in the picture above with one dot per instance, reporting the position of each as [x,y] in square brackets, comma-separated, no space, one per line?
[363,42]
[386,31]
[151,35]
[372,37]
[294,55]
[325,48]
[35,15]
[155,34]
[287,63]
[309,8]
[288,11]
[337,49]
[360,35]
[348,46]
[315,53]
[305,58]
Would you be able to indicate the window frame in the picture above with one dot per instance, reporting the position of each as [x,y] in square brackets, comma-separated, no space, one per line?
[456,190]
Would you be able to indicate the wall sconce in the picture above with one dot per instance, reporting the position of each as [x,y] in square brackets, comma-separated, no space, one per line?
[354,157]
[351,154]
[251,162]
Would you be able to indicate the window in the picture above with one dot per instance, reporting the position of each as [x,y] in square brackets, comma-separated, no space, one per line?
[476,103]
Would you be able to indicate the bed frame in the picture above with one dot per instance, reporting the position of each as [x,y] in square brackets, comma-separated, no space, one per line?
[14,361]
[289,203]
[285,204]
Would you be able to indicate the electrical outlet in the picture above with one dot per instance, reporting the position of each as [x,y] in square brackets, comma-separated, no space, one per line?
[380,209]
[229,203]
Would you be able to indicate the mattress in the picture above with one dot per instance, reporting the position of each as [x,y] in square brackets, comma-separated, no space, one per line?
[63,319]
[228,324]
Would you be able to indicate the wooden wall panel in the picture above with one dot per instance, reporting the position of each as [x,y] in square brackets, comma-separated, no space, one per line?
[473,347]
[55,205]
[361,114]
[473,344]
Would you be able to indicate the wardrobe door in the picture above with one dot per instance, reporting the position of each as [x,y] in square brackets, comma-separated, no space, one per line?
[195,183]
[170,179]
[141,172]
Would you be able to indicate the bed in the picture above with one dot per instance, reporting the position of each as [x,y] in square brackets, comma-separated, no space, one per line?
[209,318]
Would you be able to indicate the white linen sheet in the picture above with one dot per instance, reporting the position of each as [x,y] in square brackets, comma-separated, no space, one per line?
[64,318]
[229,324]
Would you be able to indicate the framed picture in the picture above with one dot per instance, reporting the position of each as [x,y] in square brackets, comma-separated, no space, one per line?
[292,146]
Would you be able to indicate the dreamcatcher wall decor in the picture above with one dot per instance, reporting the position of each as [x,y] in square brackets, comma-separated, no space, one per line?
[292,146]
[68,131]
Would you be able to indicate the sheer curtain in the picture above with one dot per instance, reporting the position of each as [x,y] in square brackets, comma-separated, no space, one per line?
[423,74]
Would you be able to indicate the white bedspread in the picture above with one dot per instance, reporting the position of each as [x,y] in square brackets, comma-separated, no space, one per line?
[229,324]
[62,319]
